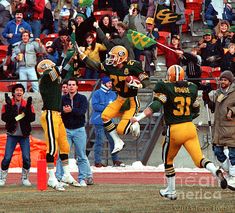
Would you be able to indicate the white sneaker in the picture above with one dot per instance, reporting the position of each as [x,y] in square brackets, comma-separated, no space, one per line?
[83,183]
[26,182]
[231,183]
[70,180]
[168,194]
[135,129]
[118,146]
[2,182]
[53,183]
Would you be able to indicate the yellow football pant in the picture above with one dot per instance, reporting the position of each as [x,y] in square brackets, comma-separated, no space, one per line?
[55,133]
[177,135]
[113,111]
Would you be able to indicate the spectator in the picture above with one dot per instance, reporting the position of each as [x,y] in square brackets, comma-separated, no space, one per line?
[217,10]
[74,107]
[100,99]
[52,124]
[17,113]
[34,10]
[134,20]
[14,28]
[228,60]
[64,89]
[25,55]
[211,51]
[172,57]
[224,134]
[150,52]
[222,33]
[47,21]
[5,18]
[92,50]
[122,40]
[193,65]
[51,53]
[232,34]
[64,18]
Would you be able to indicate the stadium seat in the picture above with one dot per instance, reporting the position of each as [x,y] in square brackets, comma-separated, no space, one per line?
[196,6]
[164,38]
[99,14]
[210,72]
[49,37]
[3,52]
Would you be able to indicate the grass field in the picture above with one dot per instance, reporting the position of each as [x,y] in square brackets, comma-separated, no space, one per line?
[116,198]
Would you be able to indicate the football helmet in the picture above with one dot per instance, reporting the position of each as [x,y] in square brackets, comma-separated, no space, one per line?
[44,65]
[117,55]
[175,73]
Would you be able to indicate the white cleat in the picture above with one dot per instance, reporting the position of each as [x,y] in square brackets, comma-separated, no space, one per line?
[2,182]
[118,146]
[53,183]
[70,180]
[135,129]
[168,194]
[26,182]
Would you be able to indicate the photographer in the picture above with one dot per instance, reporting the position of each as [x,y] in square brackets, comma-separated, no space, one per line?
[18,114]
[33,14]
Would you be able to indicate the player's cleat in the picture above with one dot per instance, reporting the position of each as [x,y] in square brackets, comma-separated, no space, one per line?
[221,178]
[3,177]
[135,129]
[118,146]
[63,184]
[231,183]
[25,177]
[70,180]
[168,194]
[53,183]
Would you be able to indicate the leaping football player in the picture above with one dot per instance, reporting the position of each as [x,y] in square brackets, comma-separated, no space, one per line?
[179,100]
[118,67]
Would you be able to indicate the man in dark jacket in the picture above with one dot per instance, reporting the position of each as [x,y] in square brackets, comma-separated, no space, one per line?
[18,114]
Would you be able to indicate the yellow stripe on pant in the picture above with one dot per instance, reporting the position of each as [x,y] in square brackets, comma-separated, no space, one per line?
[55,133]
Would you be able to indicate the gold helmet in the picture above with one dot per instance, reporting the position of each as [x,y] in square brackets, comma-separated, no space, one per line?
[175,73]
[44,65]
[117,55]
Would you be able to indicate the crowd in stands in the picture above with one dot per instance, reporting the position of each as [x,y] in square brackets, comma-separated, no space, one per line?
[58,26]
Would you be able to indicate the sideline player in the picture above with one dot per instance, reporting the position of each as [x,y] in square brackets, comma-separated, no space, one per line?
[118,67]
[52,124]
[179,99]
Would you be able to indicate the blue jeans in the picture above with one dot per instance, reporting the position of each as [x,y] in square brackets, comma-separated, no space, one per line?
[10,147]
[219,153]
[36,28]
[100,132]
[77,137]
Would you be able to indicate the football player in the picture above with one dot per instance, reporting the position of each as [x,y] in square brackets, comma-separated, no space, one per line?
[52,124]
[179,100]
[118,67]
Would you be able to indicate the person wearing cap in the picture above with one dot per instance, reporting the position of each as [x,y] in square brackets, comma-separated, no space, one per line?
[211,51]
[173,56]
[64,18]
[222,104]
[150,52]
[232,34]
[51,53]
[18,114]
[100,99]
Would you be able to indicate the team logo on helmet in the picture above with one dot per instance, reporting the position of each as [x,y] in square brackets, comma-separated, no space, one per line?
[117,55]
[175,73]
[44,65]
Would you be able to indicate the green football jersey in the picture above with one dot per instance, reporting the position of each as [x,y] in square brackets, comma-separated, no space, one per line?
[119,76]
[178,104]
[50,90]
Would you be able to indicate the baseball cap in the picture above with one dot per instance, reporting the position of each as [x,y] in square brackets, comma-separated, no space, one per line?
[175,36]
[149,20]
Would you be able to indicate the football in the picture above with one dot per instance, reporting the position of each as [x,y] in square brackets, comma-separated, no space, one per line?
[130,80]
